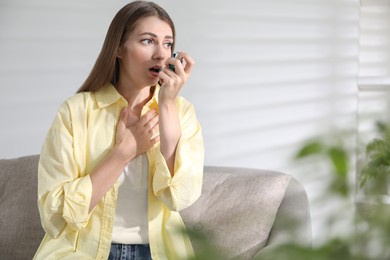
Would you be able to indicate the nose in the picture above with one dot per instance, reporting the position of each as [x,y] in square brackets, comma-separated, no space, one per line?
[161,52]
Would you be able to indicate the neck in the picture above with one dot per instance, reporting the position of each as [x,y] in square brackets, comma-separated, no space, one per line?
[136,98]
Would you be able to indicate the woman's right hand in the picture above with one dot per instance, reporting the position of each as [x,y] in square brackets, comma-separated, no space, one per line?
[134,139]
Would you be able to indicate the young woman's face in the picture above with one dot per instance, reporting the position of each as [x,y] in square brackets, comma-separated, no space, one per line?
[145,52]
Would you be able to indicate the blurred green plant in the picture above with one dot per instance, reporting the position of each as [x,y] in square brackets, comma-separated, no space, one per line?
[377,161]
[334,249]
[205,248]
[334,153]
[369,238]
[370,234]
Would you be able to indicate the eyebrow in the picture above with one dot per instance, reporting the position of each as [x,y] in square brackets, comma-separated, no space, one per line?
[154,35]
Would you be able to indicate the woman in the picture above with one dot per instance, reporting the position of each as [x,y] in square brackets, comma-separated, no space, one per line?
[125,153]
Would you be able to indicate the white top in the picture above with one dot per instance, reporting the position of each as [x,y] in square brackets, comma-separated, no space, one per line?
[131,214]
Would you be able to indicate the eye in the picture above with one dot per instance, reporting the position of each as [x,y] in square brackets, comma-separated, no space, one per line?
[147,41]
[168,45]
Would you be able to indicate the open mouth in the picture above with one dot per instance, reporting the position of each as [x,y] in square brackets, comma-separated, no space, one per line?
[156,69]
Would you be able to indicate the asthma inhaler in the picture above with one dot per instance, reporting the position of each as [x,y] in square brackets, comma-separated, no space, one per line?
[174,55]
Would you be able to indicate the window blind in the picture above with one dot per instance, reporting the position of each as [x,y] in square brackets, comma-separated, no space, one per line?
[268,75]
[374,67]
[374,75]
[46,50]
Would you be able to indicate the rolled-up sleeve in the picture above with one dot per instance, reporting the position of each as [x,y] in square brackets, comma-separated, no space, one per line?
[64,193]
[184,187]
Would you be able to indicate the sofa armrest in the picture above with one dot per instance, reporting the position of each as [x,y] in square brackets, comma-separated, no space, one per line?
[21,230]
[237,209]
[292,222]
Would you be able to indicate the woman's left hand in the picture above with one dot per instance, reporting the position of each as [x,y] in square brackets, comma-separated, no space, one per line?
[169,125]
[173,81]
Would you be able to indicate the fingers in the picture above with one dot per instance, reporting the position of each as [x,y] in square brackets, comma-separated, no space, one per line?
[149,124]
[147,131]
[177,65]
[188,62]
[151,128]
[173,78]
[154,140]
[183,65]
[152,123]
[138,137]
[148,116]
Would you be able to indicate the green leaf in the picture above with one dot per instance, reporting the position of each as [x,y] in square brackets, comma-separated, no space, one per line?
[375,147]
[339,160]
[309,149]
[381,127]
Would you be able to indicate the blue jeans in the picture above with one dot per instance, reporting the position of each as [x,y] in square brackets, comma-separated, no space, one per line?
[129,252]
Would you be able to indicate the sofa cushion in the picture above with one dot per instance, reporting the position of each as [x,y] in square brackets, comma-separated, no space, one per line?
[236,210]
[20,226]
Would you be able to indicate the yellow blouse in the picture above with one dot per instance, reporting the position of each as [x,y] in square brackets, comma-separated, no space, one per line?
[81,135]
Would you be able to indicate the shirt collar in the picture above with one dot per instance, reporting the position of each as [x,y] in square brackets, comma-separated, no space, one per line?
[109,95]
[153,102]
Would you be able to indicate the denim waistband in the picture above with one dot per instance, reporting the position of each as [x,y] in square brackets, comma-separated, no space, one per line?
[129,252]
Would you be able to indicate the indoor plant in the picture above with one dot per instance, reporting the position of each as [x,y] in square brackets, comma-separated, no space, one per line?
[376,166]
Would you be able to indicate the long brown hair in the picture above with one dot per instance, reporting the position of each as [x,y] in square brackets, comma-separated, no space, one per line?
[106,68]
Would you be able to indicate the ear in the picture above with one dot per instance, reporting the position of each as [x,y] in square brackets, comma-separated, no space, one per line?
[119,52]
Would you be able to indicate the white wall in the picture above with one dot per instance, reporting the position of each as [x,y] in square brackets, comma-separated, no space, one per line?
[269,74]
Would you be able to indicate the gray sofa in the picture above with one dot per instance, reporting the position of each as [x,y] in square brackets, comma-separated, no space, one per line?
[243,212]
